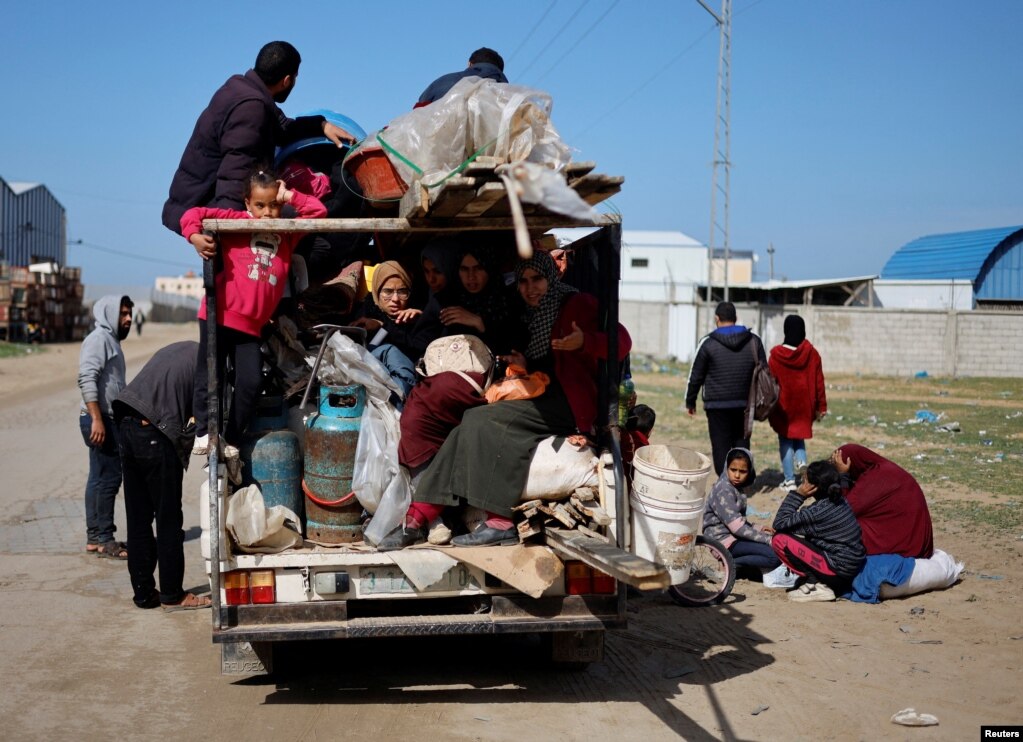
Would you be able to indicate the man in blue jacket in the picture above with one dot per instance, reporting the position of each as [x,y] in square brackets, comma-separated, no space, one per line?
[483,62]
[240,128]
[724,366]
[156,430]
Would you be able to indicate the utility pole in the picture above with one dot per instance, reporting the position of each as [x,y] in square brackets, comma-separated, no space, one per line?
[770,255]
[721,162]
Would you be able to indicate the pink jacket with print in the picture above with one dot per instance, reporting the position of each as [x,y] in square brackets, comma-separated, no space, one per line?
[256,265]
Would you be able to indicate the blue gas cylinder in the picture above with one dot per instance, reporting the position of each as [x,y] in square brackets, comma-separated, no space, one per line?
[272,457]
[333,514]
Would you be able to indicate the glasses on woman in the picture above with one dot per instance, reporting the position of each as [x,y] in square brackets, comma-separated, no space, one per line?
[401,293]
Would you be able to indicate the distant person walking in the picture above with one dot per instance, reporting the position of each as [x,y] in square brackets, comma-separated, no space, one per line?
[483,62]
[802,401]
[723,367]
[140,319]
[240,128]
[100,379]
[154,418]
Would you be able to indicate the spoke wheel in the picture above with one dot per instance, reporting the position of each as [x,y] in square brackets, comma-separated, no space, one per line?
[711,575]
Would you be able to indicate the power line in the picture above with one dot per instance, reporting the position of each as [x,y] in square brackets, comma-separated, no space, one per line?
[578,41]
[557,33]
[124,254]
[533,30]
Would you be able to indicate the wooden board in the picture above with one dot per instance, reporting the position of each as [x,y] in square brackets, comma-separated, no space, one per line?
[623,566]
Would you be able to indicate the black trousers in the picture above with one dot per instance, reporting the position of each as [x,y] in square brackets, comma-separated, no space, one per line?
[246,376]
[152,473]
[726,427]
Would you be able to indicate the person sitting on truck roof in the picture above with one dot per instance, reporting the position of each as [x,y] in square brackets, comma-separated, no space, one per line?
[483,62]
[249,288]
[240,127]
[485,461]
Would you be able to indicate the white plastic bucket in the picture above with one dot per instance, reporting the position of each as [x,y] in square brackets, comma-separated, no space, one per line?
[667,499]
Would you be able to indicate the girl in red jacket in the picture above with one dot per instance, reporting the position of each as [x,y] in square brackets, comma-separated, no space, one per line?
[797,366]
[249,287]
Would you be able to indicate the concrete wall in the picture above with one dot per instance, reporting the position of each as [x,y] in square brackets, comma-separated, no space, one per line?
[890,342]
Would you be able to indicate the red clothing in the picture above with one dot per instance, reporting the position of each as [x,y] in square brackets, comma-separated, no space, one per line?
[888,504]
[433,409]
[801,378]
[576,371]
[256,265]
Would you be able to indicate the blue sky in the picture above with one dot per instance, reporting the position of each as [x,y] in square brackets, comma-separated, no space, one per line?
[856,126]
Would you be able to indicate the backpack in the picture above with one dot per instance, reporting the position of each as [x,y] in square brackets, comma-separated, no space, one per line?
[456,353]
[764,392]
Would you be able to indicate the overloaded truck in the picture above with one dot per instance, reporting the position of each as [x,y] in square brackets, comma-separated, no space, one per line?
[567,580]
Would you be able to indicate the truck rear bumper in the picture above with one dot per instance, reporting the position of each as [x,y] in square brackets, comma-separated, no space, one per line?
[488,614]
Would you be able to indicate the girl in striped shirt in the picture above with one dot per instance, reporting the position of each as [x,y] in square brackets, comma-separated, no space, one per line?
[821,541]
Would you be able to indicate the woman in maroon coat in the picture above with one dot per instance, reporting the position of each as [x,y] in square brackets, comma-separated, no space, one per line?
[797,366]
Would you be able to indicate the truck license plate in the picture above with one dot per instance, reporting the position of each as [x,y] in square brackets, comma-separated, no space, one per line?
[392,580]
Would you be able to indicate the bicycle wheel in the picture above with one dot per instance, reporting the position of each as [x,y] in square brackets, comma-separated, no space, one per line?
[711,575]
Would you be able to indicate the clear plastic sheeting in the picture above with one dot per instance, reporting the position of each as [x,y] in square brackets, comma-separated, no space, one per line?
[476,117]
[346,362]
[536,184]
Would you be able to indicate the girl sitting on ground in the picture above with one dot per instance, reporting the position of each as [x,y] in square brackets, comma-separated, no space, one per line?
[822,541]
[724,520]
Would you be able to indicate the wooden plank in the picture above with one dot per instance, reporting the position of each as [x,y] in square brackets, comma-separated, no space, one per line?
[558,514]
[414,203]
[453,196]
[592,510]
[541,222]
[587,184]
[483,165]
[487,195]
[528,529]
[527,505]
[578,169]
[598,196]
[628,568]
[593,534]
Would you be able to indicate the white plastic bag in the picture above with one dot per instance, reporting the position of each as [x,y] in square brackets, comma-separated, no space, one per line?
[258,529]
[540,185]
[346,362]
[555,473]
[380,484]
[936,573]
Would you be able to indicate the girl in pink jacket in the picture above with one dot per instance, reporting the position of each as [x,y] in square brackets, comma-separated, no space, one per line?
[249,287]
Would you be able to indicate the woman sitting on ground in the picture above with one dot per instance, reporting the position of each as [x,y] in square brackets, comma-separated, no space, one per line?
[485,461]
[887,502]
[821,542]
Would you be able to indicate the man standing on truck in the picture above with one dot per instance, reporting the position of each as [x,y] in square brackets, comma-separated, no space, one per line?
[156,427]
[241,127]
[483,62]
[724,367]
[101,379]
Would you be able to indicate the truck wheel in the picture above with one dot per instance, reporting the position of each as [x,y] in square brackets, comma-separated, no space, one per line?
[711,575]
[573,650]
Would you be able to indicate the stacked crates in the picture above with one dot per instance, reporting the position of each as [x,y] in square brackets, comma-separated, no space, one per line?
[41,303]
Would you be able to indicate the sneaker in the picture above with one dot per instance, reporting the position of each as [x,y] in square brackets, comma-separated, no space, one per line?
[812,592]
[780,576]
[201,447]
[788,484]
[800,468]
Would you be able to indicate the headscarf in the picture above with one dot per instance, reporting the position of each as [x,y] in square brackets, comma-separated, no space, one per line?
[443,252]
[490,303]
[542,317]
[889,505]
[752,469]
[385,271]
[795,330]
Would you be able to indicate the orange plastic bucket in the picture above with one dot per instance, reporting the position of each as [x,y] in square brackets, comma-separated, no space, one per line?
[376,175]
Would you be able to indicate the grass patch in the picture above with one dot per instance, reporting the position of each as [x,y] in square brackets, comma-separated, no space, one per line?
[983,458]
[17,350]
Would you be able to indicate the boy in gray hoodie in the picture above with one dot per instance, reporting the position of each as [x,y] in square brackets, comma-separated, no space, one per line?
[101,379]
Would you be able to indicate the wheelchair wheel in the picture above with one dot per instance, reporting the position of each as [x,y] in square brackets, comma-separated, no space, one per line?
[711,575]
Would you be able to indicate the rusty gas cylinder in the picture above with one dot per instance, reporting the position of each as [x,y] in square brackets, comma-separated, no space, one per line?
[331,436]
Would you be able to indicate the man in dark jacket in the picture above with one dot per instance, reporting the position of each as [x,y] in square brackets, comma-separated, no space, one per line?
[484,62]
[240,128]
[154,418]
[724,366]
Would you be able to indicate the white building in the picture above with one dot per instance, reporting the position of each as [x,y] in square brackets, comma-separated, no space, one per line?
[187,285]
[903,293]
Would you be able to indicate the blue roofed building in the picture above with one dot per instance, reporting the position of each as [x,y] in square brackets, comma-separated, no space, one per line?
[961,270]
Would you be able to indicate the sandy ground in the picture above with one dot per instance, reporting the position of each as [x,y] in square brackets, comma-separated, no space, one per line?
[79,661]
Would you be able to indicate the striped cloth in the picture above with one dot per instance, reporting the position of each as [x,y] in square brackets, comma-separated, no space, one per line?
[827,524]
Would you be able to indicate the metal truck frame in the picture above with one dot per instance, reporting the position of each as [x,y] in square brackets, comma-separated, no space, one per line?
[342,593]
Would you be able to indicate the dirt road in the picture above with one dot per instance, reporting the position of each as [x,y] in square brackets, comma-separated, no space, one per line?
[79,661]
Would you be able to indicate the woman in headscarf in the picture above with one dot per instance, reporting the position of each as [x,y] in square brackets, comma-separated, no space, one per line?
[887,501]
[797,366]
[475,302]
[439,260]
[485,461]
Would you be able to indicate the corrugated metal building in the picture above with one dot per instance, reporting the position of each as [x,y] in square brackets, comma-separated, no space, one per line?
[991,258]
[33,225]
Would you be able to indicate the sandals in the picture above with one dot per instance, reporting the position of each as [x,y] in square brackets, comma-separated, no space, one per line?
[112,550]
[189,603]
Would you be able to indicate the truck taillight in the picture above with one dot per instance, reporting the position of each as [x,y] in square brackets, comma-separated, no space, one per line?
[581,579]
[261,586]
[236,588]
